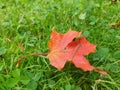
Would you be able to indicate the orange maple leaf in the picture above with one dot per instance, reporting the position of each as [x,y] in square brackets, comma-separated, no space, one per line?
[63,49]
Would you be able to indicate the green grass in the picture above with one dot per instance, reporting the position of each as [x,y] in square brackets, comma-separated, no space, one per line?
[30,22]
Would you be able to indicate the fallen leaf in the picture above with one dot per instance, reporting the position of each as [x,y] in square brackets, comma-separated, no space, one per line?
[63,48]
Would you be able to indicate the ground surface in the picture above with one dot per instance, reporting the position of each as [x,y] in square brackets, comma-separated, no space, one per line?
[25,27]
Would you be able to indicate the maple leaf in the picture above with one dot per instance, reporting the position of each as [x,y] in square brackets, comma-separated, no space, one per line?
[64,49]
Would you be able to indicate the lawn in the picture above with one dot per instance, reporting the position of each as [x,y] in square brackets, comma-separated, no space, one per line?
[26,26]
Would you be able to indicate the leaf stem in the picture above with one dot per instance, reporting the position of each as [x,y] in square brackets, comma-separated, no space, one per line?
[32,54]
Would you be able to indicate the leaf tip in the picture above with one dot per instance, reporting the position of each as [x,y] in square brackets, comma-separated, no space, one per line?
[101,71]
